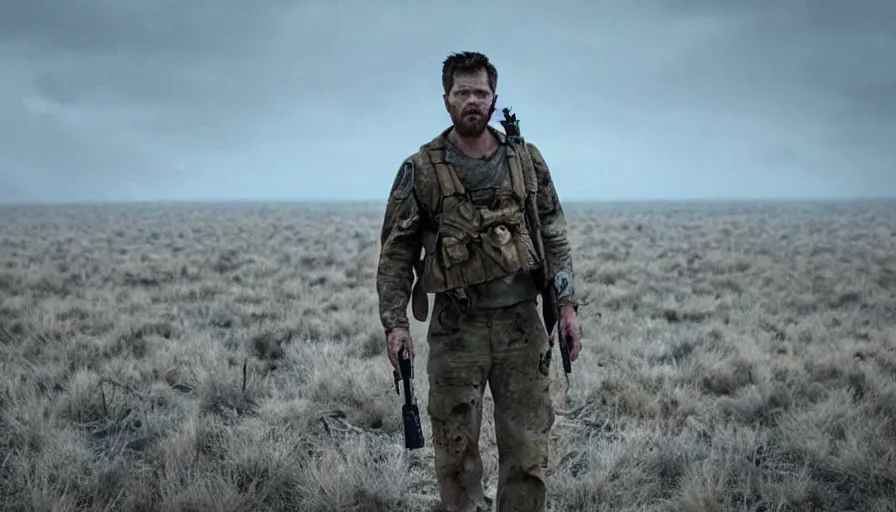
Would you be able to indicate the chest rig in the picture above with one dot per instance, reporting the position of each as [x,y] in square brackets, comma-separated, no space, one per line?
[469,244]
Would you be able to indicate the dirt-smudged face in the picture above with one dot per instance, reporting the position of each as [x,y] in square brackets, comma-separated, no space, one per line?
[470,103]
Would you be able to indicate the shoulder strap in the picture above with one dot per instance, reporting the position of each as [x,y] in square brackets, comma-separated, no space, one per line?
[448,181]
[525,181]
[446,184]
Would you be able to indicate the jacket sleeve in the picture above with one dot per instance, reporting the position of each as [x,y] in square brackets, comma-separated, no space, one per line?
[553,231]
[400,244]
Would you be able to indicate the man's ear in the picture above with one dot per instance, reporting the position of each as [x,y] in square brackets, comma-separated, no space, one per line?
[445,100]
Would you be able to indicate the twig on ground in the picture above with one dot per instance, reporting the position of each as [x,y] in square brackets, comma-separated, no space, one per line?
[129,389]
[116,385]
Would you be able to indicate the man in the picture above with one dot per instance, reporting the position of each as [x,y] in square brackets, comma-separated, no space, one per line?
[461,199]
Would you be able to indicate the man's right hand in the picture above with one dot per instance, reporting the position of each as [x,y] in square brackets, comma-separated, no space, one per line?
[395,339]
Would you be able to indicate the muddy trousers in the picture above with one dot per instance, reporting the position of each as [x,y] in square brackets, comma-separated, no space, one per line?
[509,350]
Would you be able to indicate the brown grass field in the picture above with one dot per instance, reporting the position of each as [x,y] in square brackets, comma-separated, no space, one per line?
[213,357]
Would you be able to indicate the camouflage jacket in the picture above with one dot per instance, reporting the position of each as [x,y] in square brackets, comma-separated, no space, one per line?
[410,211]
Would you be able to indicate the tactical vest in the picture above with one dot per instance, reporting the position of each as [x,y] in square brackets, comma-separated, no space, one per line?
[470,244]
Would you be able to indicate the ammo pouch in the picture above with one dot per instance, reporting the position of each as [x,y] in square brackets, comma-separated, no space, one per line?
[470,245]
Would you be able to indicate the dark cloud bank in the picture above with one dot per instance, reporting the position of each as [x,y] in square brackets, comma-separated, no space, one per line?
[156,99]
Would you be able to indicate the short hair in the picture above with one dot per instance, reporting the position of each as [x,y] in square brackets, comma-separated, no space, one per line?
[467,63]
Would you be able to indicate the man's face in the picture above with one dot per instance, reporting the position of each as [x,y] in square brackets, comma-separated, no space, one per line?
[470,102]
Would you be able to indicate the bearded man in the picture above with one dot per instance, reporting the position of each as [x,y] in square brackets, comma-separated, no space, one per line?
[459,201]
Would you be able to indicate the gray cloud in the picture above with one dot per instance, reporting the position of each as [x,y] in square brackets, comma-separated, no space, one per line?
[156,99]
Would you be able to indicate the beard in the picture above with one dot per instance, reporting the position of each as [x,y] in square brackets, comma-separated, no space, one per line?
[471,122]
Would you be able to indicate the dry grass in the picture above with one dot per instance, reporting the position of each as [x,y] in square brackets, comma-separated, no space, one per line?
[211,357]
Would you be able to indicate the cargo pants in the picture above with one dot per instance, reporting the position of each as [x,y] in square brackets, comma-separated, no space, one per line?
[509,350]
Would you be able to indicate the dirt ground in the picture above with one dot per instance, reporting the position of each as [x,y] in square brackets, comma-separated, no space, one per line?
[230,358]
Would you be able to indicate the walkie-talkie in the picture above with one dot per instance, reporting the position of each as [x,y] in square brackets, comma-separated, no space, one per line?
[410,413]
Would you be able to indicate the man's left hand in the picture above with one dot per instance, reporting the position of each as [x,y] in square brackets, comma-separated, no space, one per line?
[569,328]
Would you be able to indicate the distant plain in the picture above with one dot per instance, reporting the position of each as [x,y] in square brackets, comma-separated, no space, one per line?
[229,357]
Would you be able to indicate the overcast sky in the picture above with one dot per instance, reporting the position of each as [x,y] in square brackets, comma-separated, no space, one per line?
[118,100]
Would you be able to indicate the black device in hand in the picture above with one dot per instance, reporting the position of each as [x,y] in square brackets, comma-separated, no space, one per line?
[410,413]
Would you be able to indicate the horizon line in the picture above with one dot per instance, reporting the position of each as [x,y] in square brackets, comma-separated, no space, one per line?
[382,202]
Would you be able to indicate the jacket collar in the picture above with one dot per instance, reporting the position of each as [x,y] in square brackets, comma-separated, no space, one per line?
[439,141]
